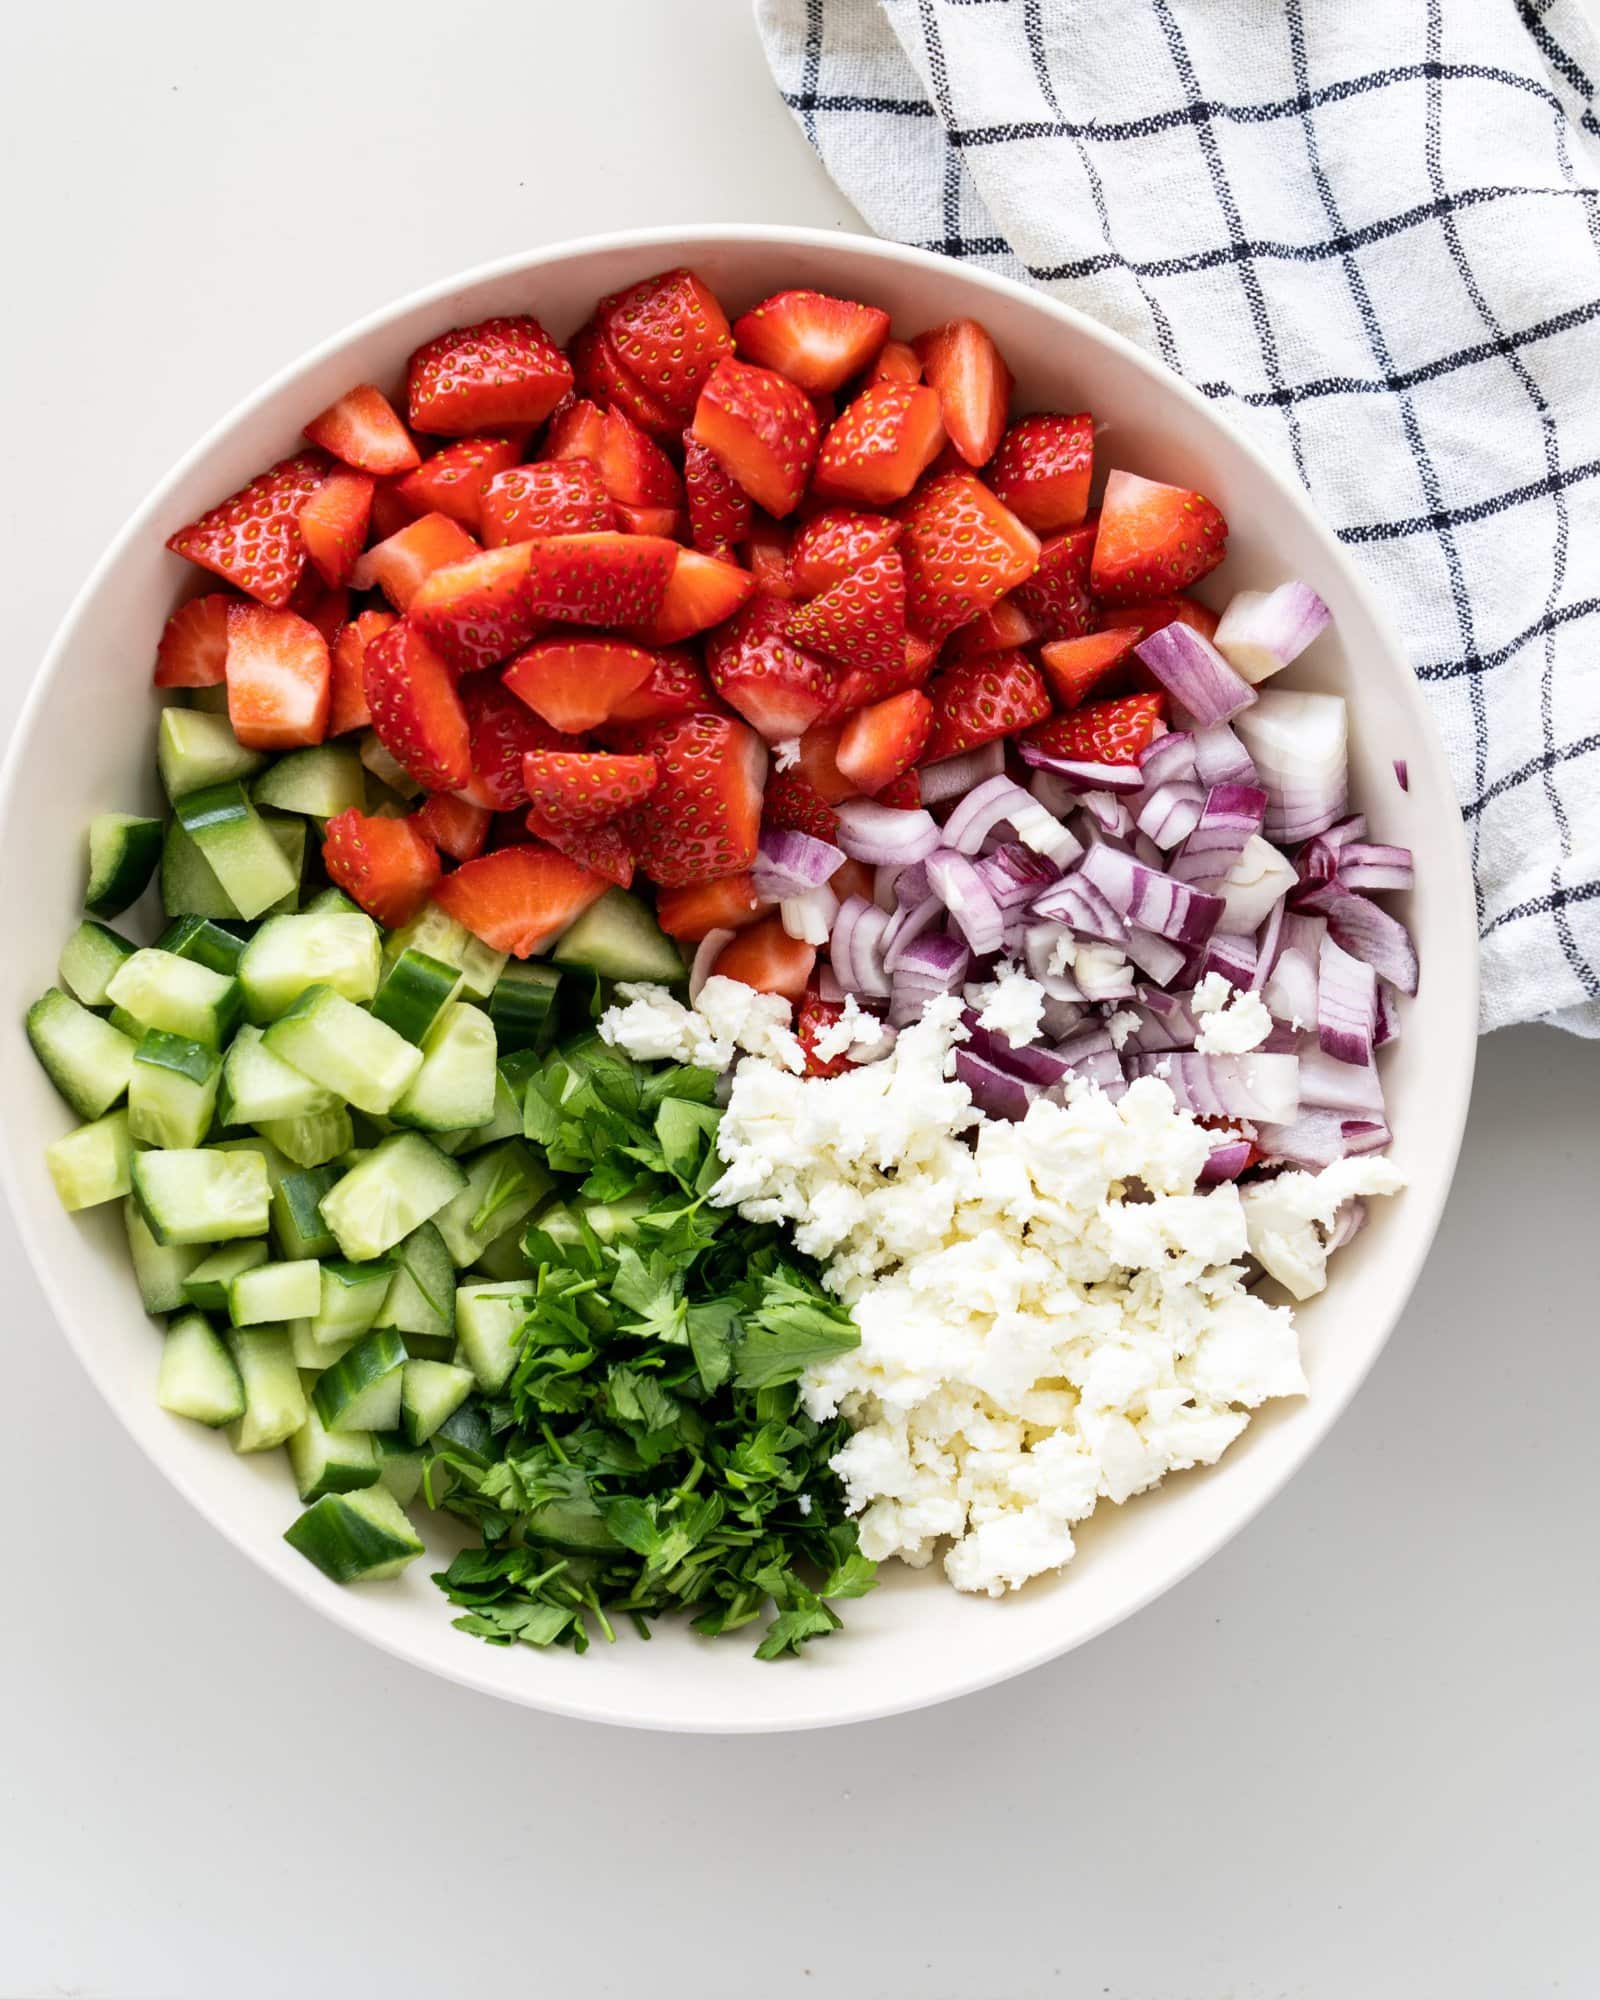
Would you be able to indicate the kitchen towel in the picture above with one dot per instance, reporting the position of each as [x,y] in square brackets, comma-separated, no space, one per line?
[1369,231]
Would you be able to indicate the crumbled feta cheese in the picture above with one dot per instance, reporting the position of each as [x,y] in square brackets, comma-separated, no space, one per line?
[1010,1004]
[1063,954]
[856,1033]
[1120,1026]
[786,753]
[1231,1022]
[1289,1217]
[728,1019]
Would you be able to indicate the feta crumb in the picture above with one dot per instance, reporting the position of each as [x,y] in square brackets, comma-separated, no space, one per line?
[1232,1022]
[1063,953]
[786,753]
[1120,1026]
[1289,1218]
[1012,1004]
[856,1033]
[727,1020]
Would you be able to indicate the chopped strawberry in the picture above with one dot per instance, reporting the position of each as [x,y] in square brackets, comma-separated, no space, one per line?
[979,703]
[816,340]
[252,540]
[391,511]
[880,742]
[676,685]
[1055,599]
[963,550]
[704,816]
[766,550]
[477,378]
[880,447]
[815,1017]
[819,764]
[388,866]
[416,710]
[833,543]
[634,469]
[455,826]
[727,904]
[347,706]
[857,689]
[519,899]
[399,565]
[327,607]
[610,382]
[667,522]
[476,612]
[897,362]
[998,630]
[1074,667]
[501,731]
[604,850]
[586,787]
[572,681]
[853,878]
[278,676]
[363,430]
[767,958]
[860,620]
[1143,619]
[1106,732]
[702,591]
[1042,468]
[757,669]
[668,332]
[963,364]
[1153,540]
[904,792]
[452,480]
[792,800]
[719,507]
[598,579]
[333,524]
[762,431]
[192,651]
[826,408]
[560,497]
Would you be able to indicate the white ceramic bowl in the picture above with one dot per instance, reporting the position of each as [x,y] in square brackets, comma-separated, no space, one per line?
[85,744]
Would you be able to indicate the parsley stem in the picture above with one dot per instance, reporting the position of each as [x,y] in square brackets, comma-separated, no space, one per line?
[550,1439]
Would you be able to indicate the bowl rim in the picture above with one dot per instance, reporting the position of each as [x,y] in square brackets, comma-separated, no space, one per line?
[1318,1416]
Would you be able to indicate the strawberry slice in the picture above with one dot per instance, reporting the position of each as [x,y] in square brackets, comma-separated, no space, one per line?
[576,430]
[572,682]
[980,703]
[1143,619]
[613,385]
[963,551]
[860,620]
[719,507]
[399,564]
[669,333]
[252,540]
[1106,732]
[192,651]
[761,429]
[416,710]
[501,731]
[963,364]
[904,792]
[586,787]
[321,605]
[831,544]
[454,825]
[1154,540]
[817,340]
[476,612]
[479,378]
[363,430]
[774,684]
[1000,629]
[598,579]
[880,742]
[452,480]
[333,524]
[391,511]
[1055,599]
[347,705]
[676,685]
[897,362]
[819,765]
[881,446]
[792,800]
[562,497]
[766,551]
[1042,469]
[857,689]
[767,958]
[387,865]
[727,904]
[604,850]
[278,678]
[704,816]
[702,591]
[519,899]
[1072,668]
[634,469]
[853,878]
[815,1017]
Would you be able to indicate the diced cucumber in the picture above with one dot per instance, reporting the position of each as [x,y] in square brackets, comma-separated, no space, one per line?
[277,1167]
[504,1258]
[123,851]
[466,1432]
[274,1401]
[430,1391]
[198,1378]
[400,1184]
[172,1092]
[342,1047]
[510,1088]
[297,1225]
[386,769]
[275,1292]
[208,1283]
[258,1086]
[356,1537]
[415,990]
[421,1301]
[188,886]
[361,1390]
[288,955]
[159,1269]
[94,1163]
[289,831]
[522,1005]
[454,1088]
[610,1221]
[196,750]
[331,903]
[86,1059]
[89,961]
[163,991]
[313,1140]
[351,1299]
[489,1320]
[202,1194]
[327,1461]
[321,781]
[619,938]
[399,1466]
[205,942]
[505,1183]
[440,936]
[238,846]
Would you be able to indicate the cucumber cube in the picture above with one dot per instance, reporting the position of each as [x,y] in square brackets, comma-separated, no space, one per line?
[93,1164]
[394,1190]
[361,1391]
[208,1283]
[327,1461]
[198,1378]
[89,961]
[356,1537]
[172,1092]
[505,1183]
[202,1194]
[489,1322]
[123,852]
[194,750]
[343,1048]
[275,1292]
[454,1088]
[161,990]
[287,955]
[159,1269]
[274,1401]
[322,780]
[297,1225]
[86,1059]
[312,1141]
[431,1392]
[238,846]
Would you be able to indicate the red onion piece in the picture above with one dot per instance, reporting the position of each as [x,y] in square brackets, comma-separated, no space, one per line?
[1107,813]
[1347,1005]
[1327,1084]
[1268,935]
[788,863]
[1156,957]
[1233,956]
[810,916]
[1376,938]
[1263,630]
[1365,864]
[1231,816]
[1080,776]
[1252,1086]
[706,954]
[995,1091]
[1154,901]
[1014,875]
[1317,1138]
[1291,991]
[1168,759]
[1061,1017]
[1227,1161]
[929,967]
[1102,973]
[1026,1059]
[1194,673]
[1168,812]
[1220,758]
[906,926]
[965,894]
[880,834]
[1298,744]
[1349,1219]
[1388,1016]
[856,948]
[1079,904]
[954,777]
[1402,774]
[1039,941]
[1254,886]
[1092,1057]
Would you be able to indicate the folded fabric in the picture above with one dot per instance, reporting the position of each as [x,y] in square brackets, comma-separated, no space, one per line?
[1371,235]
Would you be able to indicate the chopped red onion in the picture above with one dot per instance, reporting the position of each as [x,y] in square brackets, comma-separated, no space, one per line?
[995,1091]
[1327,1084]
[1251,1086]
[1376,938]
[1156,957]
[929,967]
[1092,1057]
[1291,991]
[1315,1139]
[1061,1017]
[1231,955]
[1220,758]
[1056,796]
[1000,803]
[1108,813]
[1388,1029]
[1263,630]
[878,834]
[1079,904]
[965,894]
[1349,1219]
[828,987]
[1027,1059]
[1298,744]
[1168,759]
[856,947]
[1014,875]
[1365,864]
[1039,942]
[1154,901]
[788,862]
[1347,1005]
[1157,1031]
[911,885]
[1268,934]
[706,954]
[1194,673]
[1231,816]
[1168,813]
[1402,773]
[906,926]
[1227,1161]
[809,917]
[1254,886]
[1080,776]
[954,777]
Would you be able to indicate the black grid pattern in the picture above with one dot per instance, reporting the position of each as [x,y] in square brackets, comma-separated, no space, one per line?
[1379,252]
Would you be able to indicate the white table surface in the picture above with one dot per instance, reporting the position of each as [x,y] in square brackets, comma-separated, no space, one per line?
[1354,1755]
